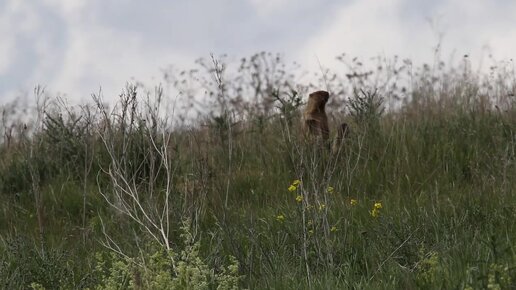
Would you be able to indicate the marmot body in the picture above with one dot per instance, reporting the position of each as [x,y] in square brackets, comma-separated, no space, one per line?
[315,118]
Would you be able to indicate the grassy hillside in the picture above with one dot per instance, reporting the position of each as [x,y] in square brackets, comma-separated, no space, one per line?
[148,193]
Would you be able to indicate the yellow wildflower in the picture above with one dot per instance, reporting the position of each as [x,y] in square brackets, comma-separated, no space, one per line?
[292,188]
[330,189]
[322,206]
[296,182]
[353,201]
[375,212]
[333,229]
[311,232]
[299,198]
[378,205]
[280,217]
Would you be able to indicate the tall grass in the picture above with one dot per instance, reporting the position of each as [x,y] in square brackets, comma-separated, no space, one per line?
[421,193]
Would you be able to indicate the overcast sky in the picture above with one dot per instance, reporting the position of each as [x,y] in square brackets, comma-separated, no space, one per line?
[76,46]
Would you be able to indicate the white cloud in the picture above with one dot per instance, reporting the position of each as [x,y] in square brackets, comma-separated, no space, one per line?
[475,24]
[7,52]
[370,28]
[76,46]
[67,7]
[75,55]
[266,7]
[102,57]
[366,29]
[16,19]
[20,29]
[25,13]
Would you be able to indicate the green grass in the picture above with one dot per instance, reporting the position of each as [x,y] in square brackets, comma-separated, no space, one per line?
[442,165]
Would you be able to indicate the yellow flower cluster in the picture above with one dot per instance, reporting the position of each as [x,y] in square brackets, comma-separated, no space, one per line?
[280,217]
[353,202]
[294,185]
[375,212]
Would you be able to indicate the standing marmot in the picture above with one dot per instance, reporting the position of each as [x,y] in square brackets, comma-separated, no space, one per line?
[316,121]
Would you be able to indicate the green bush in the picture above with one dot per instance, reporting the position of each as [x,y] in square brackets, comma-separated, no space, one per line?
[23,264]
[159,269]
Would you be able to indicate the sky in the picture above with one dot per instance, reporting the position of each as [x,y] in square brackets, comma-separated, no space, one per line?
[75,47]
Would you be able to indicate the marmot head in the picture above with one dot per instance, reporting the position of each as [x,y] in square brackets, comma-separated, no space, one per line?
[320,98]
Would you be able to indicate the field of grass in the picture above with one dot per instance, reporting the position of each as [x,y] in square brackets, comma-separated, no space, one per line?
[221,191]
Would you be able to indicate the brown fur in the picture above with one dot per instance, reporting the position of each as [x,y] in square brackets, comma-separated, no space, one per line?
[342,133]
[315,118]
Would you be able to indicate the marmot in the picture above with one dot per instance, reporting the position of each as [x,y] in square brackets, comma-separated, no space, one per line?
[315,119]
